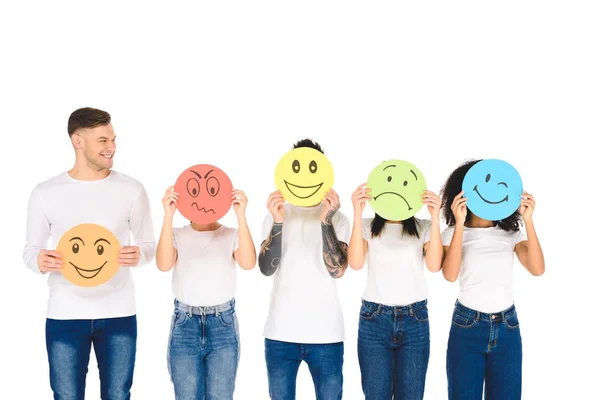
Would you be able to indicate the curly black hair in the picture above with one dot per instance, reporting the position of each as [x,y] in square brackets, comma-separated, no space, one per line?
[453,187]
[308,143]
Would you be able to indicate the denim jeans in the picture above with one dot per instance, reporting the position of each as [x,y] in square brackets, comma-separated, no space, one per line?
[204,351]
[484,348]
[325,362]
[393,350]
[69,343]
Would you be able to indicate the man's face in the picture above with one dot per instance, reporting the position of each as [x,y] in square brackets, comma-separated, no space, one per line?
[98,146]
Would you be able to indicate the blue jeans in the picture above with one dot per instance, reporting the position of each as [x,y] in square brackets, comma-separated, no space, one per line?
[484,348]
[393,350]
[69,343]
[204,351]
[324,362]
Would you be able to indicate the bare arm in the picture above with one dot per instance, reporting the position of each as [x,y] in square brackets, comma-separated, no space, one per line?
[453,255]
[529,252]
[270,251]
[245,255]
[357,249]
[434,252]
[166,253]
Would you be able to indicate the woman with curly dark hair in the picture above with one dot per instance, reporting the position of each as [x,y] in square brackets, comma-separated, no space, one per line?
[484,344]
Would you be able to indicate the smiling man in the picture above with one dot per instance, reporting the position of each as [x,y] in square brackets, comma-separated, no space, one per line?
[102,315]
[305,249]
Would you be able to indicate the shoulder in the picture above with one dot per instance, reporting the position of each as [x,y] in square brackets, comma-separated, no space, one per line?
[228,230]
[51,182]
[124,179]
[423,223]
[340,218]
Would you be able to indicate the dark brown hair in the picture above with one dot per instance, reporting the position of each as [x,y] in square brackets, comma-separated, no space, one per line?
[87,118]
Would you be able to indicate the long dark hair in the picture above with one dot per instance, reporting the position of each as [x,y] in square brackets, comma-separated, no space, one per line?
[409,226]
[453,187]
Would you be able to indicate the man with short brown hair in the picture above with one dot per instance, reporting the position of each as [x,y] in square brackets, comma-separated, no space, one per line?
[80,316]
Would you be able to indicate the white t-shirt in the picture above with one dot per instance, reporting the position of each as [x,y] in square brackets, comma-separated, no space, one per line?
[304,303]
[395,264]
[117,202]
[205,272]
[486,271]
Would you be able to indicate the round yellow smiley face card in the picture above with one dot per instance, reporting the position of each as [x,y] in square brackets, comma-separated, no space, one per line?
[303,176]
[90,254]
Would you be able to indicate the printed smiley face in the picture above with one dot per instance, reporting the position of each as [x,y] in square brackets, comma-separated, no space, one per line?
[304,175]
[493,189]
[204,193]
[90,254]
[396,189]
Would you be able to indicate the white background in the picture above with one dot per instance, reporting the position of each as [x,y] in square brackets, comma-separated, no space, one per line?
[237,83]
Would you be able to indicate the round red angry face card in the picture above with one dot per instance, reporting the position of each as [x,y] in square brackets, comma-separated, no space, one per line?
[204,193]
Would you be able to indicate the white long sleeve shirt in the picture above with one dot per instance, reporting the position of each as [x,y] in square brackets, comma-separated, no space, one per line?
[117,202]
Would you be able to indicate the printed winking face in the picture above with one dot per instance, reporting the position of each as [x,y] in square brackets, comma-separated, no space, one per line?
[493,189]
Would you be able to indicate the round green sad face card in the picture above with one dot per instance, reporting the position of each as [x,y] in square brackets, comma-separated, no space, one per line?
[396,190]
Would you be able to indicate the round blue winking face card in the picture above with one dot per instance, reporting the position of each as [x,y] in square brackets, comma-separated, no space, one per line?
[493,188]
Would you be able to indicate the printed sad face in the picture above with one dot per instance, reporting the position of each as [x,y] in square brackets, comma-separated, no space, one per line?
[396,189]
[304,175]
[493,189]
[90,254]
[204,193]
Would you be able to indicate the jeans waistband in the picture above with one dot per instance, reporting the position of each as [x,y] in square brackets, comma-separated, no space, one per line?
[382,308]
[204,310]
[480,316]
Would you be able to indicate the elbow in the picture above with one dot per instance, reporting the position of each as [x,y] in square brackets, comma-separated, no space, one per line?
[539,271]
[449,277]
[355,263]
[248,265]
[163,265]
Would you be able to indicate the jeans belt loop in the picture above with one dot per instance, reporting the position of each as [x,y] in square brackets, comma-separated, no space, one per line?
[378,309]
[478,316]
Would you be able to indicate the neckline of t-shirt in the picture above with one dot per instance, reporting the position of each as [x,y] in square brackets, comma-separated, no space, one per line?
[189,227]
[90,182]
[306,209]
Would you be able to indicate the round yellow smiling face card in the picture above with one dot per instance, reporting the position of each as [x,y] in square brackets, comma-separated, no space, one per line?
[304,175]
[90,254]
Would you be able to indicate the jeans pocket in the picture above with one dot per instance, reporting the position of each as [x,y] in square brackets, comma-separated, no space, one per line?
[462,321]
[422,314]
[227,318]
[366,313]
[512,322]
[180,318]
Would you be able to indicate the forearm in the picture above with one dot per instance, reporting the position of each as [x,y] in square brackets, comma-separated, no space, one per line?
[165,251]
[37,232]
[453,258]
[356,247]
[246,253]
[335,253]
[535,256]
[435,252]
[270,251]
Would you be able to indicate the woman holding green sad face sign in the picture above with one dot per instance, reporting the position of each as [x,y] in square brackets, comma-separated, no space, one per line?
[393,333]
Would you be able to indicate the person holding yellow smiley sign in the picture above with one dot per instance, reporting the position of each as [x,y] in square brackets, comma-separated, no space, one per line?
[305,246]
